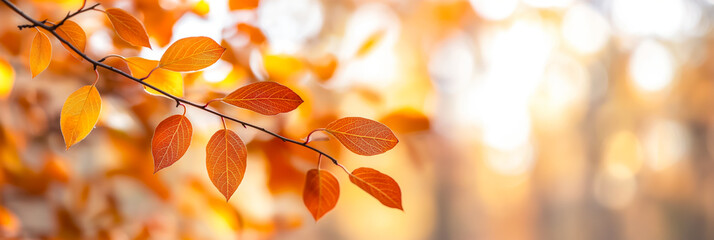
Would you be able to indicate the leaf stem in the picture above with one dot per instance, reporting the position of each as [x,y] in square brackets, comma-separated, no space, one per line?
[307,140]
[112,55]
[319,160]
[344,168]
[96,72]
[213,100]
[147,76]
[184,108]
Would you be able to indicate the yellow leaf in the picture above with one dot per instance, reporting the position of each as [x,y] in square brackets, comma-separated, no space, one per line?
[7,78]
[168,81]
[282,67]
[80,113]
[74,34]
[40,53]
[128,27]
[191,54]
[370,43]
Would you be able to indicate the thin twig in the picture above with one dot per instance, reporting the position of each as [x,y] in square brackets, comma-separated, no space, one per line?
[95,63]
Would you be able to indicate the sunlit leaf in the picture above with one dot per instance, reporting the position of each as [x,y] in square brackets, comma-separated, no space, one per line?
[168,81]
[128,27]
[242,4]
[171,140]
[379,185]
[268,98]
[226,161]
[40,53]
[73,33]
[370,43]
[191,54]
[7,78]
[321,192]
[80,113]
[362,136]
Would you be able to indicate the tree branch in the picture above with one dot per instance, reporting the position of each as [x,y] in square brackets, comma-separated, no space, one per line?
[51,29]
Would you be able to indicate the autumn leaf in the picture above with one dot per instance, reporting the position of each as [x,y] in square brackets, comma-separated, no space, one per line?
[362,136]
[324,67]
[256,36]
[370,43]
[282,67]
[128,27]
[268,98]
[80,113]
[191,54]
[73,33]
[226,161]
[171,140]
[379,185]
[242,4]
[168,81]
[406,121]
[321,192]
[40,53]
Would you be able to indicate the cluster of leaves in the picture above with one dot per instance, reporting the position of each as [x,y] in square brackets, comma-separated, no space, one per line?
[226,153]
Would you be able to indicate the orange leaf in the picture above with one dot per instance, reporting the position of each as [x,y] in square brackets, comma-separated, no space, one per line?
[128,27]
[168,81]
[362,136]
[267,98]
[242,4]
[407,121]
[324,67]
[321,192]
[379,185]
[256,36]
[226,161]
[191,54]
[370,43]
[79,114]
[40,53]
[73,33]
[171,140]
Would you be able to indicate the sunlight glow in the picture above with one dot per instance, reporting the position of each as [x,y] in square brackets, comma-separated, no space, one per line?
[663,18]
[511,162]
[288,24]
[666,142]
[494,10]
[614,186]
[651,66]
[7,78]
[377,68]
[585,29]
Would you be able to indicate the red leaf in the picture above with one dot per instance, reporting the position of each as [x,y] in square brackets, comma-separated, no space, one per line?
[171,140]
[267,98]
[226,161]
[379,185]
[363,136]
[321,192]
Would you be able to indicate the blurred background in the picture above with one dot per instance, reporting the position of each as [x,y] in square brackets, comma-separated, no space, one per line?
[517,119]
